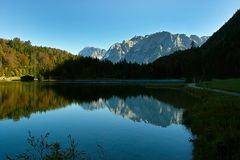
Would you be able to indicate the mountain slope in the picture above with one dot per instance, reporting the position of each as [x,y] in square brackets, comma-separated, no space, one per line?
[118,51]
[151,47]
[222,50]
[93,52]
[219,57]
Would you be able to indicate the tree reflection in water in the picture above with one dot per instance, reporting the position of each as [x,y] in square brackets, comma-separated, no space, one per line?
[136,103]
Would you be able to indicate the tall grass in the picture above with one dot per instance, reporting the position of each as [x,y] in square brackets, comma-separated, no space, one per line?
[229,85]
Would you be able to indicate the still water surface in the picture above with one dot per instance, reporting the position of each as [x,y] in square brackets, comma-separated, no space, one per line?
[128,122]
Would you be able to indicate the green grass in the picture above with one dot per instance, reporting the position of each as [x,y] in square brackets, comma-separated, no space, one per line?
[164,86]
[214,119]
[228,85]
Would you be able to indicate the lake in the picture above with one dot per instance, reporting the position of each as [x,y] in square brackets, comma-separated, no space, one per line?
[128,122]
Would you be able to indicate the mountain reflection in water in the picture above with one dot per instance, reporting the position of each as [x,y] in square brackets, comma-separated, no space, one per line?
[140,108]
[22,99]
[100,114]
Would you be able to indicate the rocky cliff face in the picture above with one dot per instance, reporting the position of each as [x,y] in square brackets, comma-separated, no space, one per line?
[93,52]
[146,49]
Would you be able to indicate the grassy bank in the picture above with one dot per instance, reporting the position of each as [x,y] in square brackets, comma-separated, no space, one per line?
[214,119]
[165,86]
[228,85]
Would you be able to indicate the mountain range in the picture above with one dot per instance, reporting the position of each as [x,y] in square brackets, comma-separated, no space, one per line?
[144,49]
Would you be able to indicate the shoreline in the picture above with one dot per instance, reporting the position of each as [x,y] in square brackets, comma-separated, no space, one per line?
[220,91]
[10,78]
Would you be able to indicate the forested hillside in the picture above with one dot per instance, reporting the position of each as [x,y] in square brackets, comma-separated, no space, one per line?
[18,58]
[219,57]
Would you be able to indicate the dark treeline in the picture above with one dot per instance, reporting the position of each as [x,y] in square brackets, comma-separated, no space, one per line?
[219,57]
[88,68]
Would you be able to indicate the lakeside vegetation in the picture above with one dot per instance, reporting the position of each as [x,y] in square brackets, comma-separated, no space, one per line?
[42,149]
[228,85]
[215,122]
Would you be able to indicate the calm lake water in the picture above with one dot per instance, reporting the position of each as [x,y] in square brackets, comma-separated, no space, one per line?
[128,122]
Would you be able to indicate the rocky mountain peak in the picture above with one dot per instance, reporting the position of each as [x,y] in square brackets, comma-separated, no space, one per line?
[148,48]
[93,52]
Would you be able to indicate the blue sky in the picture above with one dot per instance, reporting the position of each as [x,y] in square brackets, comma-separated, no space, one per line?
[74,24]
